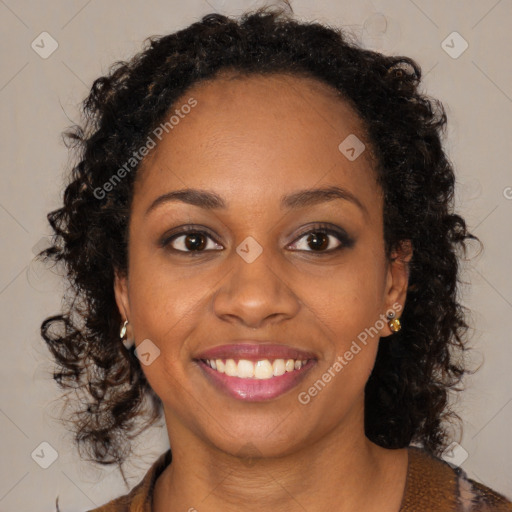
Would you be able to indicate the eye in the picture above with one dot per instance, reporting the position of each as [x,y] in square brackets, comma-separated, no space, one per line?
[321,239]
[191,240]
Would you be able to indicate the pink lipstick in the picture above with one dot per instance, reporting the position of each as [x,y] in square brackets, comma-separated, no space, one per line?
[255,371]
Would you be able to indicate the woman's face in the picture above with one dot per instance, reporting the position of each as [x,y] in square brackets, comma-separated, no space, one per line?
[277,264]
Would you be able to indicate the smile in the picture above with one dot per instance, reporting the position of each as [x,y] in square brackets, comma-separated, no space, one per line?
[255,381]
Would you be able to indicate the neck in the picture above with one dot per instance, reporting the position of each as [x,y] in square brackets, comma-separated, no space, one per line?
[343,471]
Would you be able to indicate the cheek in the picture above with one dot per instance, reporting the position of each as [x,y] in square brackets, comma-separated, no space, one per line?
[169,305]
[165,310]
[346,312]
[346,298]
[165,305]
[346,308]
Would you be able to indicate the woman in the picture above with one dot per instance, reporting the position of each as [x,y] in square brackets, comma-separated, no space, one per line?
[262,212]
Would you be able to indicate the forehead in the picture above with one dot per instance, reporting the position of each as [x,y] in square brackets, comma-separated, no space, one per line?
[251,134]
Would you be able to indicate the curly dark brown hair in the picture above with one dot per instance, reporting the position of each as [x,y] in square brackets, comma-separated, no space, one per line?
[407,394]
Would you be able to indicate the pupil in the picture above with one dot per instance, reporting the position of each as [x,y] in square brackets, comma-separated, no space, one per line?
[193,242]
[314,238]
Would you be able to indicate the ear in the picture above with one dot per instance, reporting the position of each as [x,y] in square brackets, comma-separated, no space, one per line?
[121,293]
[397,280]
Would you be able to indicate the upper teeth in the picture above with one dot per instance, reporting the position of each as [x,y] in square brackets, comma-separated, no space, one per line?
[262,369]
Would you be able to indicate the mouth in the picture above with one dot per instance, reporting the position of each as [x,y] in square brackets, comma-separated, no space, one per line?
[255,372]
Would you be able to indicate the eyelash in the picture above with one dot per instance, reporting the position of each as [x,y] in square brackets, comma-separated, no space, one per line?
[345,240]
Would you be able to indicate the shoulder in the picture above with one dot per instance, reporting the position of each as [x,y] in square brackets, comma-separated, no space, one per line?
[479,496]
[140,498]
[433,484]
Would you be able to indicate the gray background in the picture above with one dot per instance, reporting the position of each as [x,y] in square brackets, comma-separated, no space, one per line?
[39,99]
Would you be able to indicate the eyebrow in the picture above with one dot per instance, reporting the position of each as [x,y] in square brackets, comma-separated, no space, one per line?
[209,200]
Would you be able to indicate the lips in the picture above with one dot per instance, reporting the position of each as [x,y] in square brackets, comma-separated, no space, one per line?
[254,351]
[218,362]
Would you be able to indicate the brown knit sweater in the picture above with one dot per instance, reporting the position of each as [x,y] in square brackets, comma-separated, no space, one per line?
[432,485]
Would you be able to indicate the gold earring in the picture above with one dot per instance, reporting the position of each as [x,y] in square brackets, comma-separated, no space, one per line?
[127,343]
[123,329]
[393,323]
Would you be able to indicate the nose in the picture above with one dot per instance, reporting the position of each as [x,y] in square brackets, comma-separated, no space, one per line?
[255,293]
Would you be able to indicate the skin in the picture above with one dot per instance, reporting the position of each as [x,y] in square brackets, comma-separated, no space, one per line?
[252,140]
